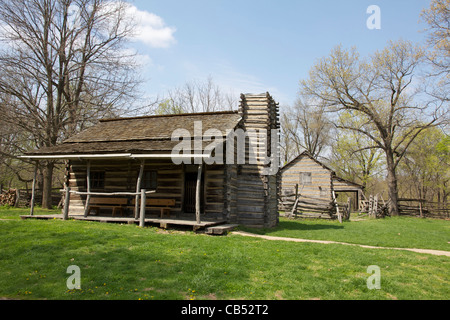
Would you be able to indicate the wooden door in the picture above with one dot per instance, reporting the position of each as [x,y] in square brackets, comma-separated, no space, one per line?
[190,184]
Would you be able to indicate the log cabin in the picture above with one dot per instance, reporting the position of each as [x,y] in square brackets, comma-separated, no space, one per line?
[314,182]
[182,176]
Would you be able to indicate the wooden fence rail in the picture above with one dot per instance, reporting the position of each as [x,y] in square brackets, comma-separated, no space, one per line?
[295,204]
[424,208]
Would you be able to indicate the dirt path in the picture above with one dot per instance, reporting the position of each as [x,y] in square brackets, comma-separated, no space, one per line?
[428,251]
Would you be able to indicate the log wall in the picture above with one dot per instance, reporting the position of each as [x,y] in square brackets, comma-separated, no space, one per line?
[315,197]
[321,179]
[121,176]
[214,191]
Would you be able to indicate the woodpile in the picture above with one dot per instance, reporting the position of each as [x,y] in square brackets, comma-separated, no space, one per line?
[21,198]
[8,197]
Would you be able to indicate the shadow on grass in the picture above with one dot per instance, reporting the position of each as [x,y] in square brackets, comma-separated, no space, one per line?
[295,225]
[298,225]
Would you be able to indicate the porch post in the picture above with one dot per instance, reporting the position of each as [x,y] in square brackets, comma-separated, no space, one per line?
[357,201]
[33,192]
[197,193]
[143,203]
[66,204]
[138,189]
[88,180]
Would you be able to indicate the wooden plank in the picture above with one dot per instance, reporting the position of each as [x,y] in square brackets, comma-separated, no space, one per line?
[221,229]
[158,202]
[110,201]
[108,194]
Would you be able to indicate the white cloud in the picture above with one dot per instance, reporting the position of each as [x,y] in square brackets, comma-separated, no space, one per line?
[151,29]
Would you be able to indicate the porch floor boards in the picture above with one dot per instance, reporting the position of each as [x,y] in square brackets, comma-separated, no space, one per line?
[163,223]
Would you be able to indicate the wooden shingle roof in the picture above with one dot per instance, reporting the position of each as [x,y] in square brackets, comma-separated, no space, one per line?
[140,134]
[155,127]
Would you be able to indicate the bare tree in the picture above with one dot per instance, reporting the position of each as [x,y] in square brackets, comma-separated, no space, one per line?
[306,127]
[381,92]
[63,66]
[197,96]
[437,16]
[289,146]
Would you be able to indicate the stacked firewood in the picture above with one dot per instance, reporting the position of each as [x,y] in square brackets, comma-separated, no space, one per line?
[8,197]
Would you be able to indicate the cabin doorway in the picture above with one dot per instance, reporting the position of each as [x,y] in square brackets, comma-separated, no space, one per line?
[190,185]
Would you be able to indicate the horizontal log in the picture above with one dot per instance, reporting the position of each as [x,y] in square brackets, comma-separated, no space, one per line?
[312,208]
[316,215]
[110,193]
[248,209]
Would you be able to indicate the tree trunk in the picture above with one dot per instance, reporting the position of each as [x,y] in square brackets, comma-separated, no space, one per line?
[47,186]
[392,185]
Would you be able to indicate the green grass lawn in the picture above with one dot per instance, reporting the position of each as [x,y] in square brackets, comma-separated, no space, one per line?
[401,232]
[130,263]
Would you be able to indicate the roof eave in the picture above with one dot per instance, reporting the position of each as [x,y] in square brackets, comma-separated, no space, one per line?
[114,156]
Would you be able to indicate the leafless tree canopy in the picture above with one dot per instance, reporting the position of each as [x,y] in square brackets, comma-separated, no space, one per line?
[437,16]
[197,96]
[305,127]
[63,65]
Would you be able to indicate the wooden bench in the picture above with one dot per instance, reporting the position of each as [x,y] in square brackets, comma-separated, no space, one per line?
[163,204]
[116,204]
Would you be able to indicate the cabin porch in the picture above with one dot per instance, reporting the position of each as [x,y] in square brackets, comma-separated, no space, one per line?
[127,190]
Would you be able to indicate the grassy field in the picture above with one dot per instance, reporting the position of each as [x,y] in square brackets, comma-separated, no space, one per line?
[130,263]
[400,232]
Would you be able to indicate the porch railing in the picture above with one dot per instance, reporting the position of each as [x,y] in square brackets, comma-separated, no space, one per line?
[143,195]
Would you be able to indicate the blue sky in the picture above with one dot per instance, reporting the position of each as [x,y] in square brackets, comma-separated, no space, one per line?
[250,46]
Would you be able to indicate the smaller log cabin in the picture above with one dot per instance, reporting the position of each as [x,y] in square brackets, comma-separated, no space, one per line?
[315,181]
[118,158]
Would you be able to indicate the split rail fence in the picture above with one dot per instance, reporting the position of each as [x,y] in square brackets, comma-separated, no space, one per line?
[424,208]
[296,204]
